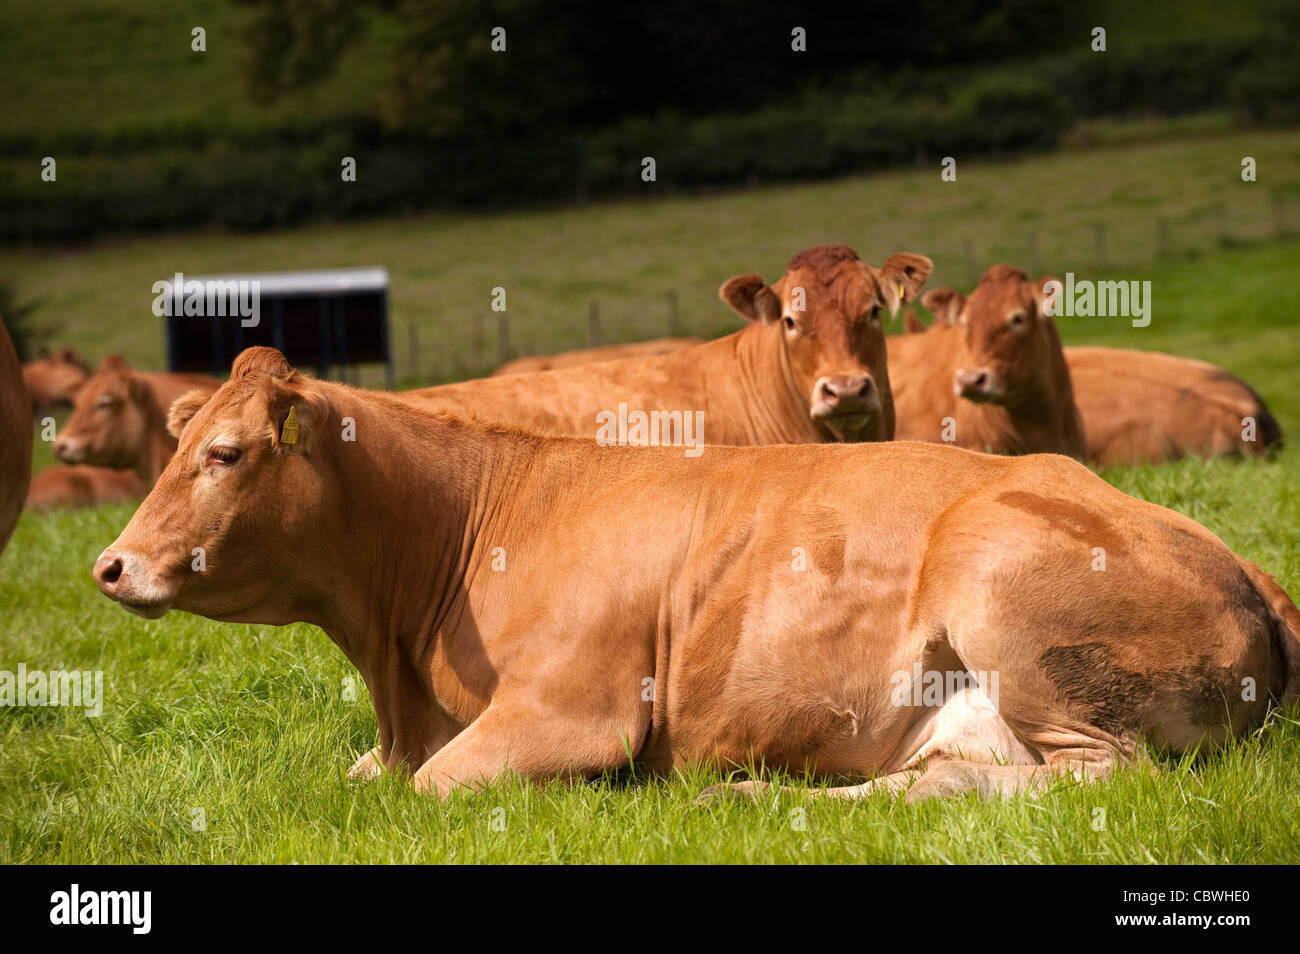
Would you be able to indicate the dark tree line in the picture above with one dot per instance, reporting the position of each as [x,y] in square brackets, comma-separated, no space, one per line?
[586,63]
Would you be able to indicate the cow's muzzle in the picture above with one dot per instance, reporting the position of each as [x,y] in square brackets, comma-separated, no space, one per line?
[845,394]
[70,451]
[980,385]
[120,577]
[845,402]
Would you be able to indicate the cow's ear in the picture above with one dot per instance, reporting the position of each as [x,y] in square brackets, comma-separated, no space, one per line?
[750,297]
[184,408]
[139,388]
[70,355]
[945,304]
[902,277]
[298,415]
[114,363]
[1041,294]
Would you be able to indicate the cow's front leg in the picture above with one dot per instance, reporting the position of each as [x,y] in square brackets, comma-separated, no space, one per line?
[892,783]
[503,741]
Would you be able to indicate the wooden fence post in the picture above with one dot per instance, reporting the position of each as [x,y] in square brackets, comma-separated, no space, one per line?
[413,347]
[503,338]
[476,343]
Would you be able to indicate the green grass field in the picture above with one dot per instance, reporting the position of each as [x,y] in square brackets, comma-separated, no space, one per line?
[254,728]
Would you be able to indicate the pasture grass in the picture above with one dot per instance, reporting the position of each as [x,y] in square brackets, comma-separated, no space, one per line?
[255,726]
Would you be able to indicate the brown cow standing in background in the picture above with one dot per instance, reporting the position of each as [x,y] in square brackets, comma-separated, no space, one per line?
[990,375]
[580,356]
[809,367]
[15,437]
[119,419]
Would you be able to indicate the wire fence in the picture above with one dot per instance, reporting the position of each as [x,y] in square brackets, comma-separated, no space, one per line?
[1094,247]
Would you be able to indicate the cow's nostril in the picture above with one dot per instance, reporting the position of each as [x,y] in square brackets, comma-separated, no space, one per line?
[108,570]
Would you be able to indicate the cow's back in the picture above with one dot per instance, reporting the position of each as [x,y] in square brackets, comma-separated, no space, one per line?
[54,379]
[567,401]
[167,387]
[1145,406]
[81,485]
[581,356]
[15,437]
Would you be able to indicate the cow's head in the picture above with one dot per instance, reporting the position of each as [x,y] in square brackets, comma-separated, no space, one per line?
[240,477]
[109,426]
[1010,341]
[55,377]
[827,312]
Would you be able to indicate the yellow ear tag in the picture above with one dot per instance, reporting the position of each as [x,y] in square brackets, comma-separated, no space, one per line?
[902,293]
[289,433]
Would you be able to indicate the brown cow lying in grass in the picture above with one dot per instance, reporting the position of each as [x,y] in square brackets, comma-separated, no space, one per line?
[119,419]
[53,379]
[1144,407]
[990,375]
[781,605]
[581,356]
[78,485]
[15,437]
[809,367]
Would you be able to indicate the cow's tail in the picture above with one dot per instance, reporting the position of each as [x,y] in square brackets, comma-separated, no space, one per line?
[1285,619]
[1270,432]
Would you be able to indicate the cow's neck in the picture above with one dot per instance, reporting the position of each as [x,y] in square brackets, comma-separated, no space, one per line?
[159,444]
[417,492]
[1042,418]
[1047,409]
[770,402]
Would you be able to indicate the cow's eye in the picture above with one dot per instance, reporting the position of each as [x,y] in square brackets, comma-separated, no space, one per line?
[875,313]
[789,323]
[105,404]
[223,455]
[1017,320]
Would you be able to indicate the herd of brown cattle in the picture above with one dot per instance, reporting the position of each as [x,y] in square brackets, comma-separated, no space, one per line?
[522,598]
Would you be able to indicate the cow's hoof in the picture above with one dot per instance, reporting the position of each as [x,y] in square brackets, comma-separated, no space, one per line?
[367,767]
[732,791]
[944,780]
